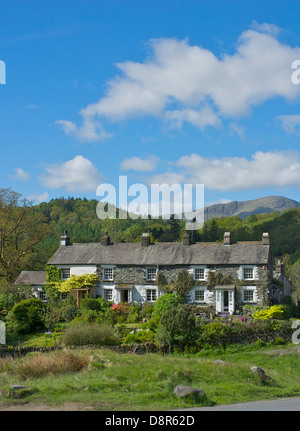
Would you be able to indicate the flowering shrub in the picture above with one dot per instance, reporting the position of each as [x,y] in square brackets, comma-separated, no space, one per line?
[275,312]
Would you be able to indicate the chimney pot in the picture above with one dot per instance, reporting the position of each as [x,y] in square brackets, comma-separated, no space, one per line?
[186,238]
[64,239]
[226,238]
[145,239]
[265,239]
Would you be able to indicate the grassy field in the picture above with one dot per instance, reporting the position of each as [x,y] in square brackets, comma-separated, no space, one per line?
[105,380]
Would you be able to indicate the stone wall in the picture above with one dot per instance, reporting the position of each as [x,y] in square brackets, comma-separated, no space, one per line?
[135,276]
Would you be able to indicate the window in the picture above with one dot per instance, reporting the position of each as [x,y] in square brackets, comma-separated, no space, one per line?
[199,274]
[248,273]
[151,295]
[151,274]
[65,273]
[42,295]
[248,295]
[108,295]
[108,274]
[199,295]
[63,296]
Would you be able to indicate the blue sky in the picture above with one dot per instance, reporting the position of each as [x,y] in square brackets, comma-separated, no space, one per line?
[164,91]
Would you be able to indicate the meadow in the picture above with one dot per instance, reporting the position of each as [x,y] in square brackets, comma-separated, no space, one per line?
[102,379]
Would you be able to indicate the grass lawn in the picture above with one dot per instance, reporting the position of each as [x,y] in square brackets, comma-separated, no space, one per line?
[107,380]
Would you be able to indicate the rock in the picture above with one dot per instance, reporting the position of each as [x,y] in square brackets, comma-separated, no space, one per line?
[261,373]
[182,391]
[220,362]
[17,387]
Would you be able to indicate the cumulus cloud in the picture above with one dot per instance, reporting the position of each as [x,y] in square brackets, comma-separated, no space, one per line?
[76,175]
[38,197]
[139,164]
[264,169]
[21,175]
[182,83]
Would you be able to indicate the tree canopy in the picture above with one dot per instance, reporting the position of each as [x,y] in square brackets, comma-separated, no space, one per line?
[22,228]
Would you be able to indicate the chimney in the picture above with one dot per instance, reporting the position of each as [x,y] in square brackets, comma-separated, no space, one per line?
[186,238]
[226,240]
[265,239]
[279,267]
[145,239]
[64,239]
[105,240]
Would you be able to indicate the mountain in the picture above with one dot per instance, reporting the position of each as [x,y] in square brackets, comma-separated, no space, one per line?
[246,208]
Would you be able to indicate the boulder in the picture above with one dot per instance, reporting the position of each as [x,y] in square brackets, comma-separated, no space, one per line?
[261,373]
[182,391]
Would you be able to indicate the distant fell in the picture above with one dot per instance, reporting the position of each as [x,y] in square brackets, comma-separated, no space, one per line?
[244,209]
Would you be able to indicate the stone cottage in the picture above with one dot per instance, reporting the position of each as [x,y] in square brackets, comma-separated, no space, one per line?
[128,271]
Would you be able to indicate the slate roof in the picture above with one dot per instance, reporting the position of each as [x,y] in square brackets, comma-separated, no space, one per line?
[34,278]
[247,253]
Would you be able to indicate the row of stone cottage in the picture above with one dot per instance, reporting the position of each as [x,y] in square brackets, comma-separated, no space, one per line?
[127,271]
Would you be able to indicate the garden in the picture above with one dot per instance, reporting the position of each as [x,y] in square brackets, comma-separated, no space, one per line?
[130,357]
[167,325]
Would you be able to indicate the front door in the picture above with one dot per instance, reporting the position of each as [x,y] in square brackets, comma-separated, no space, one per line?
[225,301]
[124,295]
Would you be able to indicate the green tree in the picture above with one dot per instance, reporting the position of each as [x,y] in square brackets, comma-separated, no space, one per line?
[21,230]
[177,327]
[184,282]
[164,302]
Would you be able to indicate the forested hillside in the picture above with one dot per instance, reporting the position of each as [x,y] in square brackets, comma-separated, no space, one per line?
[78,216]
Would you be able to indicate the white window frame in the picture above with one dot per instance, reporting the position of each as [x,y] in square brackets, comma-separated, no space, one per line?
[148,271]
[243,268]
[42,295]
[64,272]
[202,290]
[108,295]
[105,277]
[201,268]
[152,292]
[245,275]
[249,288]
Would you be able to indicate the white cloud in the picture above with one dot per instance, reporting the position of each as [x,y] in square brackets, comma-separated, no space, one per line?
[183,83]
[90,130]
[270,29]
[38,198]
[269,169]
[139,164]
[238,130]
[289,123]
[76,175]
[201,119]
[21,175]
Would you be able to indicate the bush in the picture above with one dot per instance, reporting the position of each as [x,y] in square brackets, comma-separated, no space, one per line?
[90,334]
[27,315]
[98,304]
[177,327]
[90,304]
[146,310]
[69,313]
[139,336]
[44,364]
[165,302]
[275,312]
